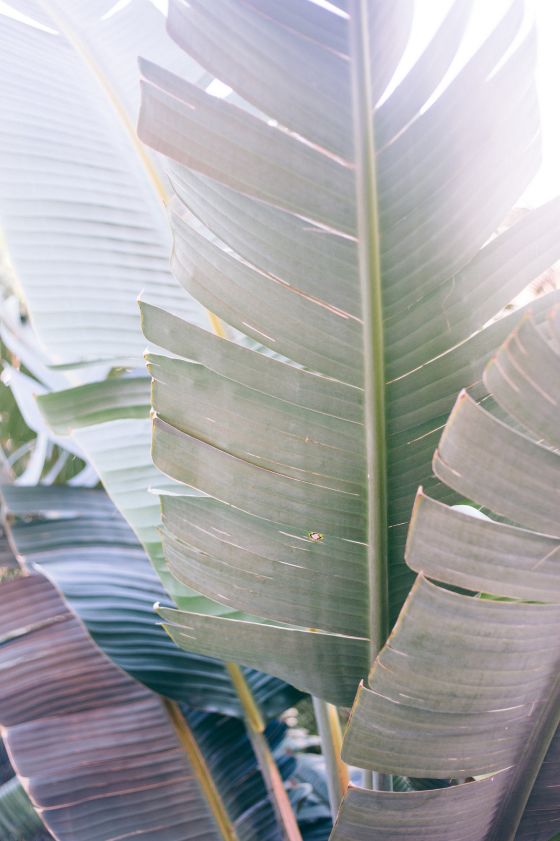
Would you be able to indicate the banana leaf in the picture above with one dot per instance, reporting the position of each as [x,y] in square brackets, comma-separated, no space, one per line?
[82,206]
[83,216]
[467,686]
[79,540]
[351,232]
[18,819]
[96,751]
[90,735]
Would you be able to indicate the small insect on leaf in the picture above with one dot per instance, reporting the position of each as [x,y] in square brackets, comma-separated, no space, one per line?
[315,535]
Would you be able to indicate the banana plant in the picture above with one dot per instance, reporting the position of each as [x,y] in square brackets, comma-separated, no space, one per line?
[348,225]
[331,232]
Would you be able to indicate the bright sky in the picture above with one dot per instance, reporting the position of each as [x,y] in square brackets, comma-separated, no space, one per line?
[546,14]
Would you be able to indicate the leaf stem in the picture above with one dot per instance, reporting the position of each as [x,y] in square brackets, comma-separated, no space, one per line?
[328,724]
[203,776]
[267,764]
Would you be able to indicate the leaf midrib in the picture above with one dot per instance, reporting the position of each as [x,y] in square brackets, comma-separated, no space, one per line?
[373,341]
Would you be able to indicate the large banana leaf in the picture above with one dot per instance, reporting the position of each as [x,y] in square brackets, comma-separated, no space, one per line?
[361,249]
[470,686]
[82,210]
[85,225]
[82,201]
[97,752]
[78,539]
[124,756]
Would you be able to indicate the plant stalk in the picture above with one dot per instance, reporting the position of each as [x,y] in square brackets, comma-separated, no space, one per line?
[203,775]
[381,782]
[267,764]
[367,778]
[328,724]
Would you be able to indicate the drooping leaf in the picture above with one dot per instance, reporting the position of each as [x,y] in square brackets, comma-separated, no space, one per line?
[123,744]
[98,753]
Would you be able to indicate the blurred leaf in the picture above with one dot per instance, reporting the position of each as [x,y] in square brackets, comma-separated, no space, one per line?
[74,723]
[77,538]
[18,819]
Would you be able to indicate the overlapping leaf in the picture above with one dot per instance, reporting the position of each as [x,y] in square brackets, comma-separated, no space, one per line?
[79,540]
[469,686]
[83,216]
